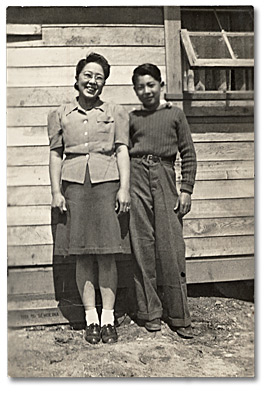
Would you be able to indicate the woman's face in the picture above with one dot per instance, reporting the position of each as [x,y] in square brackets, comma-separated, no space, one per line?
[148,91]
[91,81]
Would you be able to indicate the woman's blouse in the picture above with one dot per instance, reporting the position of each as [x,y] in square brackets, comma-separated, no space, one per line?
[88,139]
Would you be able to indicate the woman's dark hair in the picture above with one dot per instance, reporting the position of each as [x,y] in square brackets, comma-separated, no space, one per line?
[92,58]
[146,69]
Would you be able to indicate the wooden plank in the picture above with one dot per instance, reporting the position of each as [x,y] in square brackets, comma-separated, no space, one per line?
[102,36]
[36,255]
[31,301]
[27,117]
[39,281]
[27,136]
[219,170]
[28,176]
[222,189]
[29,235]
[38,136]
[200,227]
[58,279]
[232,269]
[218,110]
[214,151]
[210,208]
[55,96]
[69,56]
[207,227]
[29,194]
[27,156]
[65,76]
[221,119]
[206,151]
[223,137]
[30,281]
[36,317]
[96,36]
[18,29]
[221,127]
[26,215]
[30,310]
[172,26]
[213,208]
[218,103]
[218,95]
[39,175]
[30,255]
[219,246]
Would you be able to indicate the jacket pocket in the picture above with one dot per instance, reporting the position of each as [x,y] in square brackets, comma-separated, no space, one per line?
[104,123]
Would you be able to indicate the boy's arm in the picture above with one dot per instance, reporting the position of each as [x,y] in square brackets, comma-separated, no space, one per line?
[188,165]
[187,154]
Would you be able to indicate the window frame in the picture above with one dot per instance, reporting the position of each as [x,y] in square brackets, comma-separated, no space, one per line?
[234,62]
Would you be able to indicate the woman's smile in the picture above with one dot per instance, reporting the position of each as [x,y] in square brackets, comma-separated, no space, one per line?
[91,81]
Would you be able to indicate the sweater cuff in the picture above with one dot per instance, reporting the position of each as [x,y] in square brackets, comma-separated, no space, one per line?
[186,188]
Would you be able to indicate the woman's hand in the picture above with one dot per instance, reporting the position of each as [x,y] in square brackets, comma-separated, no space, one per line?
[183,203]
[122,201]
[59,201]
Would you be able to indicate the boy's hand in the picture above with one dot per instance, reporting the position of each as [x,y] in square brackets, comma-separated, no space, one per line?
[122,201]
[183,203]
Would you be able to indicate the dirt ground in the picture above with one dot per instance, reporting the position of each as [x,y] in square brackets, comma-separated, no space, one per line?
[223,346]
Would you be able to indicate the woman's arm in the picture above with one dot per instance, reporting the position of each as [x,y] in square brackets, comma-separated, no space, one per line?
[55,165]
[123,162]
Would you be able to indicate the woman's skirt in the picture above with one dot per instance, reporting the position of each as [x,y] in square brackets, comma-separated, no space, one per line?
[91,225]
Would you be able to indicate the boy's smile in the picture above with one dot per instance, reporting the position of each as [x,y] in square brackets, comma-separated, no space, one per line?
[148,91]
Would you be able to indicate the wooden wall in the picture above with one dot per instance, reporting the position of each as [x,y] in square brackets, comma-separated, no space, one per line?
[41,61]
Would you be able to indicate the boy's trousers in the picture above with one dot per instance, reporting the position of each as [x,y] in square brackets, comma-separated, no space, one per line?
[157,243]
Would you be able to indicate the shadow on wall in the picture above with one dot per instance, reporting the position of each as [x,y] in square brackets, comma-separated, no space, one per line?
[242,290]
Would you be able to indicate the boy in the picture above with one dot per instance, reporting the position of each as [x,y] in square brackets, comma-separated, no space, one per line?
[157,132]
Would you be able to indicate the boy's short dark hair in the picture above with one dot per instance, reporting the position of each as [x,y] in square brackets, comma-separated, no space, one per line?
[93,58]
[146,69]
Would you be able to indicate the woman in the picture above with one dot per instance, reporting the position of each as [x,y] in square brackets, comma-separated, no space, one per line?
[91,189]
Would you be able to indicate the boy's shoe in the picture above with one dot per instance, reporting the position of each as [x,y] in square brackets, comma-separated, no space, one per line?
[92,333]
[109,334]
[154,325]
[185,332]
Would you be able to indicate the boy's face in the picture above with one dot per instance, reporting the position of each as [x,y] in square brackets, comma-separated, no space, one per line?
[148,91]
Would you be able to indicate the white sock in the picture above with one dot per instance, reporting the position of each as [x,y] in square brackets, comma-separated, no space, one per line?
[91,316]
[107,317]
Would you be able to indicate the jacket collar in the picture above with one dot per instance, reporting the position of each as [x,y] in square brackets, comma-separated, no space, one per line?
[74,105]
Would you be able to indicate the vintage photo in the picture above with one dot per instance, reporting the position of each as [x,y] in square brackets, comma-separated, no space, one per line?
[130,191]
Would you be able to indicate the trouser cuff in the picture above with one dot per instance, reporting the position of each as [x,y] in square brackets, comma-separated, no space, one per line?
[177,322]
[149,316]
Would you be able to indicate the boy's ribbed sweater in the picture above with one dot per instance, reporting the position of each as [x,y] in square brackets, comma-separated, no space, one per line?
[163,133]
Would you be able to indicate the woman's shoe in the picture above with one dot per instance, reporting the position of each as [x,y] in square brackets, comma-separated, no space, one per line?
[92,333]
[109,334]
[154,325]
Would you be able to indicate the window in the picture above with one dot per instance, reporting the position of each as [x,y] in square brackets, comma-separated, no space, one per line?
[218,48]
